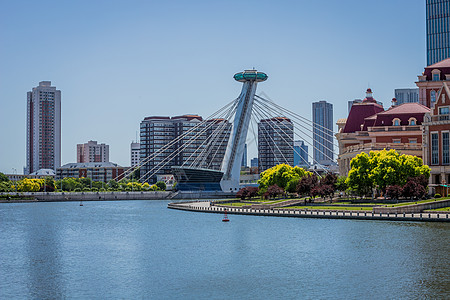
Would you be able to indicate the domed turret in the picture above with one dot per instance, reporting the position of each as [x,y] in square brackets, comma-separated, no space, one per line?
[369,97]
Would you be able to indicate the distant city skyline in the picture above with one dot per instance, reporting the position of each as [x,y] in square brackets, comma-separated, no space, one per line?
[125,62]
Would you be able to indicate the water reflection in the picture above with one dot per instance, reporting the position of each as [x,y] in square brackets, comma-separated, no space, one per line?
[43,254]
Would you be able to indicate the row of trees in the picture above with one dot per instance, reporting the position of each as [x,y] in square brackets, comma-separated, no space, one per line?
[70,184]
[386,172]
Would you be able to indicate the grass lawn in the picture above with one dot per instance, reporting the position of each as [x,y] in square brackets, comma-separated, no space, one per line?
[415,202]
[233,204]
[362,203]
[329,208]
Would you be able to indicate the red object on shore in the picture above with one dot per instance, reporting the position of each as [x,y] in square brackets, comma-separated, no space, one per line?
[225,217]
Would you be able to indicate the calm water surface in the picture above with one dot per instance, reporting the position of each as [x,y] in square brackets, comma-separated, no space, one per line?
[141,249]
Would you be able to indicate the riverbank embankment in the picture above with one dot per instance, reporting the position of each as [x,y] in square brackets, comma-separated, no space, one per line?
[107,196]
[206,207]
[83,196]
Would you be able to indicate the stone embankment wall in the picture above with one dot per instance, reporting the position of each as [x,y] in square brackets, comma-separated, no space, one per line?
[90,196]
[414,208]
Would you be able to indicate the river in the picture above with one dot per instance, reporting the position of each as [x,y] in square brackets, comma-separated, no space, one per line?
[143,250]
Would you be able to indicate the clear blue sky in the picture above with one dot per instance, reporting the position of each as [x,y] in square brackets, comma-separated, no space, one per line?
[117,62]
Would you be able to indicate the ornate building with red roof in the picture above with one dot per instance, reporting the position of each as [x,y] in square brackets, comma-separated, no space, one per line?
[369,127]
[436,133]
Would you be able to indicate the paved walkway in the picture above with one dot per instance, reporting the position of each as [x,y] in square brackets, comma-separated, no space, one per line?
[204,206]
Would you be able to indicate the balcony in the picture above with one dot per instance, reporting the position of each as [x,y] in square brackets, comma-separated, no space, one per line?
[395,128]
[380,146]
[436,118]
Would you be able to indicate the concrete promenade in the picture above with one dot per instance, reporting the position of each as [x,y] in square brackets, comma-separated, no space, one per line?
[205,206]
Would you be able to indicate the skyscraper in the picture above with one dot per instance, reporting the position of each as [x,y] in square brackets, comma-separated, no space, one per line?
[43,128]
[438,30]
[275,142]
[92,152]
[301,154]
[407,95]
[244,157]
[323,132]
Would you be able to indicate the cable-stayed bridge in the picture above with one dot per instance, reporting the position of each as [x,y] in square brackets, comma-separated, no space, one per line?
[208,154]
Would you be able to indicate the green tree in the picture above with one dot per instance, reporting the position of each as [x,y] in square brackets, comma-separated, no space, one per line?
[340,184]
[291,186]
[7,186]
[136,174]
[3,177]
[161,185]
[359,179]
[85,182]
[280,175]
[70,184]
[98,184]
[113,184]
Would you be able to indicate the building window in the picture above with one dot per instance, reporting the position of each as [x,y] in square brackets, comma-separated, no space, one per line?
[396,122]
[433,96]
[413,141]
[412,121]
[444,110]
[445,148]
[396,141]
[434,149]
[435,77]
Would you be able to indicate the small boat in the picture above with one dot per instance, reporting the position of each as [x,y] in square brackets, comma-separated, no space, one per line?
[225,217]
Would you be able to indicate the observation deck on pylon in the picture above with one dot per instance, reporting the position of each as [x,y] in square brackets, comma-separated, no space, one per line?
[250,75]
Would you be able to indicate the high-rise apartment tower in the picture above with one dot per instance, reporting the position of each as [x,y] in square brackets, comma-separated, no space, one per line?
[92,152]
[135,154]
[43,128]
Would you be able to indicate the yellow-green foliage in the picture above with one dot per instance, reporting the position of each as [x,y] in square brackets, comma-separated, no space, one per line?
[280,175]
[135,186]
[154,187]
[29,185]
[145,186]
[383,168]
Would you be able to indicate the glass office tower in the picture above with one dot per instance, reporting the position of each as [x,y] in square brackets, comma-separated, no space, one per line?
[438,33]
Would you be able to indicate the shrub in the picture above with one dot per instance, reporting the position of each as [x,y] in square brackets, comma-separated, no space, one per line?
[437,195]
[394,191]
[274,190]
[247,192]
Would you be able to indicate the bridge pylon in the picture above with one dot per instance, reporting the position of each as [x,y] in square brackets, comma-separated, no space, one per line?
[231,165]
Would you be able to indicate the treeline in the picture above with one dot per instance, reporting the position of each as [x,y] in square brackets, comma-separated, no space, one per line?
[48,184]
